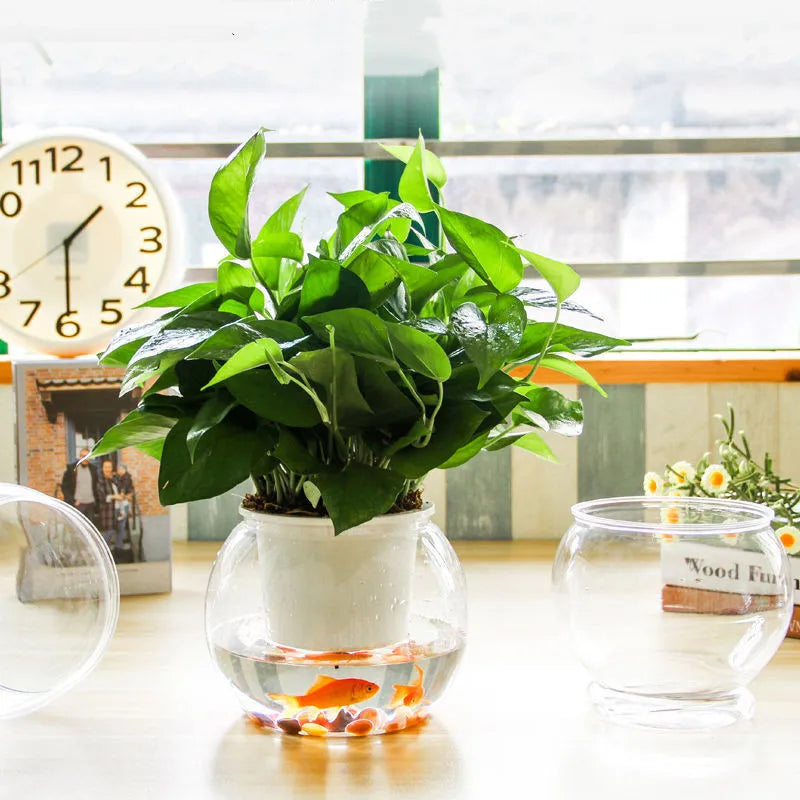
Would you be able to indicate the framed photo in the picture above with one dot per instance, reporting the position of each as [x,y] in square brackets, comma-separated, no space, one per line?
[63,408]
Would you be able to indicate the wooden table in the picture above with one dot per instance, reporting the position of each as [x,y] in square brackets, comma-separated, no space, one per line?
[155,720]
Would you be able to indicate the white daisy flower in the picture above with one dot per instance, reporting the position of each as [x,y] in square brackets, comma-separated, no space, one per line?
[681,473]
[790,539]
[653,483]
[715,479]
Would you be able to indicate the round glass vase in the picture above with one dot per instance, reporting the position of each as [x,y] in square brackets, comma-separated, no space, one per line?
[673,605]
[326,635]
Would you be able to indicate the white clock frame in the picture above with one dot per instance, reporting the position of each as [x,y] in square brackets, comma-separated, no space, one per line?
[170,273]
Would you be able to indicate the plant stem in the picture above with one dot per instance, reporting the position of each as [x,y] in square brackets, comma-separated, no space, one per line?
[541,355]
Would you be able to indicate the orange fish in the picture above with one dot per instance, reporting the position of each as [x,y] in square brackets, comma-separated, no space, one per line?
[410,695]
[328,692]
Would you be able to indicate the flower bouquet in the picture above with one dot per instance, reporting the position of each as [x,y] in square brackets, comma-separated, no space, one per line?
[736,475]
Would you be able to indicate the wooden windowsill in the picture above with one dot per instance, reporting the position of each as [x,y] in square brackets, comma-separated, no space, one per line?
[665,367]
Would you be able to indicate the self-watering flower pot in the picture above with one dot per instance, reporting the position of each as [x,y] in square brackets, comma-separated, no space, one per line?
[351,634]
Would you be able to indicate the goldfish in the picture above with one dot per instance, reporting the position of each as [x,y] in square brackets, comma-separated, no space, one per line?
[328,692]
[408,695]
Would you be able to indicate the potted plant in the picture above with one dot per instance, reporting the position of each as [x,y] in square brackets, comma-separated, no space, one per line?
[337,379]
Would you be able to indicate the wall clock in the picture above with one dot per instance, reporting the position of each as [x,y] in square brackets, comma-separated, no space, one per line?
[88,231]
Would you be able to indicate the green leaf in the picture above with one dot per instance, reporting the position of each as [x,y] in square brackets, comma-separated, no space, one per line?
[564,338]
[418,351]
[563,416]
[423,282]
[434,168]
[389,403]
[221,461]
[135,429]
[255,354]
[180,297]
[455,426]
[312,493]
[539,298]
[262,393]
[229,339]
[413,186]
[327,286]
[378,228]
[534,443]
[359,217]
[348,199]
[567,367]
[212,413]
[234,281]
[154,448]
[322,368]
[358,331]
[489,343]
[229,195]
[281,221]
[169,346]
[484,247]
[127,341]
[377,273]
[466,453]
[562,278]
[358,493]
[293,452]
[270,249]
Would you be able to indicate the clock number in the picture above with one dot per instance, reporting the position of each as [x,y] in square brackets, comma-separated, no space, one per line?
[154,240]
[138,280]
[67,328]
[4,287]
[11,204]
[35,304]
[36,172]
[78,156]
[70,166]
[135,202]
[115,312]
[107,161]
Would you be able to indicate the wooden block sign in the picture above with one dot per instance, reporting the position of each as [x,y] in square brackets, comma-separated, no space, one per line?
[708,579]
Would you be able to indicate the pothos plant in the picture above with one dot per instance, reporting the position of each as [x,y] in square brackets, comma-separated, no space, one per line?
[337,379]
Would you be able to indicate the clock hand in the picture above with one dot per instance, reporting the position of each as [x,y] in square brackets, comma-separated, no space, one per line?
[66,276]
[66,243]
[61,244]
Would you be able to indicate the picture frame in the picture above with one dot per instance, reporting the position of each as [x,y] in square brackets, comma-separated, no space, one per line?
[63,408]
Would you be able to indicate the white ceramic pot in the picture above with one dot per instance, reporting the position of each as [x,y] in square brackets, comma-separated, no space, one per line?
[346,592]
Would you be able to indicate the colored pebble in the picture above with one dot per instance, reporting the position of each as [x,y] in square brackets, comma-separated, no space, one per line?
[289,725]
[309,714]
[341,721]
[312,729]
[375,716]
[359,727]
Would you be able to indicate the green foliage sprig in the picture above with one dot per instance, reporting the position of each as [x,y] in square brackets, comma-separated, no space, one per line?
[338,379]
[737,475]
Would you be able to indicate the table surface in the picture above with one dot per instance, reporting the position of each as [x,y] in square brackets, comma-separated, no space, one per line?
[155,719]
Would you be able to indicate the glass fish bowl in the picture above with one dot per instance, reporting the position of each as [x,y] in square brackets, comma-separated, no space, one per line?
[59,598]
[673,605]
[347,635]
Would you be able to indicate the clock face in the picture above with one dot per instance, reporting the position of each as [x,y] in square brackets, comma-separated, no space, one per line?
[86,234]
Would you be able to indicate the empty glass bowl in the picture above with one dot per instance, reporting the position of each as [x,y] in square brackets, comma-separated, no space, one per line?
[673,604]
[59,598]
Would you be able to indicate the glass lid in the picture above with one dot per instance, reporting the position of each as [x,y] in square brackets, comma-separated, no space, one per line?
[59,598]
